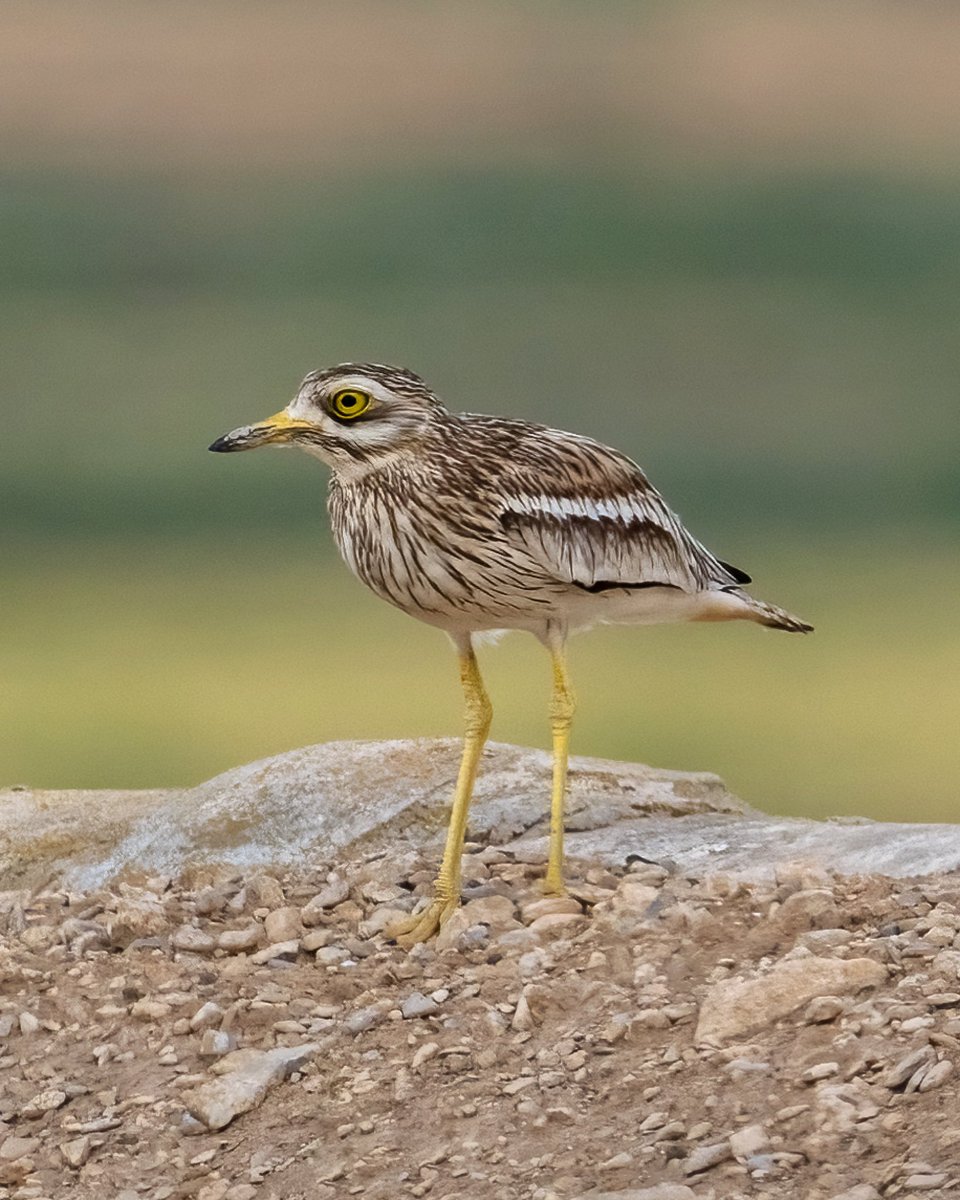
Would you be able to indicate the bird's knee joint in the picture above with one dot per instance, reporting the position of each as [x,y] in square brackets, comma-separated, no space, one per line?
[561,711]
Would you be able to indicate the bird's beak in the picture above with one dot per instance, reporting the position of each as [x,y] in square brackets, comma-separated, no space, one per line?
[278,428]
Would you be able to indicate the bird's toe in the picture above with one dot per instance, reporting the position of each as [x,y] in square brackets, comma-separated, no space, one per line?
[422,925]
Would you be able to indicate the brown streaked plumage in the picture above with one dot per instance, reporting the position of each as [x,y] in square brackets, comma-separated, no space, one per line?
[475,523]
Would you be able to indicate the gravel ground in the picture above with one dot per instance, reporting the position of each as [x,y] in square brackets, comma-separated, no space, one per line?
[650,1036]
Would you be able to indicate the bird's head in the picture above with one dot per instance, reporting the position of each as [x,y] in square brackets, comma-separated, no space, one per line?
[350,416]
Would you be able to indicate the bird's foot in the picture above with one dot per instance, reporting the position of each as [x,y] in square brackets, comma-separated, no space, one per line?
[425,924]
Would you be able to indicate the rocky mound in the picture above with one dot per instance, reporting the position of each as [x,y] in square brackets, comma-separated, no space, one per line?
[343,799]
[668,1031]
[654,1035]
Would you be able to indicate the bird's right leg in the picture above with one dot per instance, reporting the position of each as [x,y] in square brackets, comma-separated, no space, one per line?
[446,889]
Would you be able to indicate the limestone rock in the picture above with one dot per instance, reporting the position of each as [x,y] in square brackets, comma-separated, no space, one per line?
[76,1151]
[247,1076]
[238,941]
[283,924]
[322,802]
[13,1147]
[193,940]
[328,802]
[734,1007]
[43,1103]
[702,1158]
[137,916]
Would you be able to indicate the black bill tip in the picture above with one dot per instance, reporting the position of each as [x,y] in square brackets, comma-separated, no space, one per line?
[223,445]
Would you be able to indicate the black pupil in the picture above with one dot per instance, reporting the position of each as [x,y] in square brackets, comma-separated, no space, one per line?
[350,400]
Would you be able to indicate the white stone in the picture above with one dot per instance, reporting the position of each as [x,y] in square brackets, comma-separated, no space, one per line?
[207,1014]
[283,924]
[76,1151]
[247,1076]
[44,1102]
[735,1007]
[749,1140]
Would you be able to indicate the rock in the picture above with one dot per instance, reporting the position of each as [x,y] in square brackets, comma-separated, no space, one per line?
[819,1071]
[336,891]
[39,937]
[331,956]
[192,940]
[316,939]
[735,1007]
[935,1075]
[947,964]
[263,891]
[861,1191]
[545,905]
[820,941]
[424,1054]
[146,1009]
[499,912]
[419,1005]
[846,1104]
[244,1083]
[926,1182]
[454,930]
[324,801]
[241,1191]
[238,941]
[749,1140]
[363,1019]
[279,950]
[44,1102]
[897,1075]
[616,1163]
[76,1151]
[634,895]
[558,924]
[138,915]
[813,908]
[210,900]
[702,1158]
[283,924]
[216,1042]
[13,1148]
[28,1024]
[822,1009]
[206,1015]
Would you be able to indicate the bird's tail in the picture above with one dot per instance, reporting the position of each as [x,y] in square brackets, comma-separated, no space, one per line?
[774,617]
[734,604]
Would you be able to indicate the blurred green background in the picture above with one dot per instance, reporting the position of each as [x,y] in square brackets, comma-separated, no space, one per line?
[725,238]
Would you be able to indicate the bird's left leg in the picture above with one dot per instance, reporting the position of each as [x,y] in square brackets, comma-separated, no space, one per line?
[562,707]
[446,889]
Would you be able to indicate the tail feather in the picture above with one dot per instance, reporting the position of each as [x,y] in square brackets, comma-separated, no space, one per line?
[774,617]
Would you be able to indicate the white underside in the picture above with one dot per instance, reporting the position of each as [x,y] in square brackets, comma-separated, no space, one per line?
[579,610]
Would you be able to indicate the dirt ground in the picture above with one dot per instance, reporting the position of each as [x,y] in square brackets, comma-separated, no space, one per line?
[650,1036]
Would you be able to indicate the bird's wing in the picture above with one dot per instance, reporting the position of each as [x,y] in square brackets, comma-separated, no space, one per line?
[590,517]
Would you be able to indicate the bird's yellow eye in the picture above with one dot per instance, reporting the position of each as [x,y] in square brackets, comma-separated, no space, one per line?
[349,403]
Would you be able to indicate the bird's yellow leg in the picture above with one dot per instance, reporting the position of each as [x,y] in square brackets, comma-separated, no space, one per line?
[561,718]
[446,889]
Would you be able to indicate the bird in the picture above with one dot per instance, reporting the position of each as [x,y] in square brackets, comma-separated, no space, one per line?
[475,524]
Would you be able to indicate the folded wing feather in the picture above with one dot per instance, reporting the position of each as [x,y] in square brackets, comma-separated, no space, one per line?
[623,535]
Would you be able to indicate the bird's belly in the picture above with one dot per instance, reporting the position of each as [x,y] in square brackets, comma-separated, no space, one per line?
[640,606]
[472,586]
